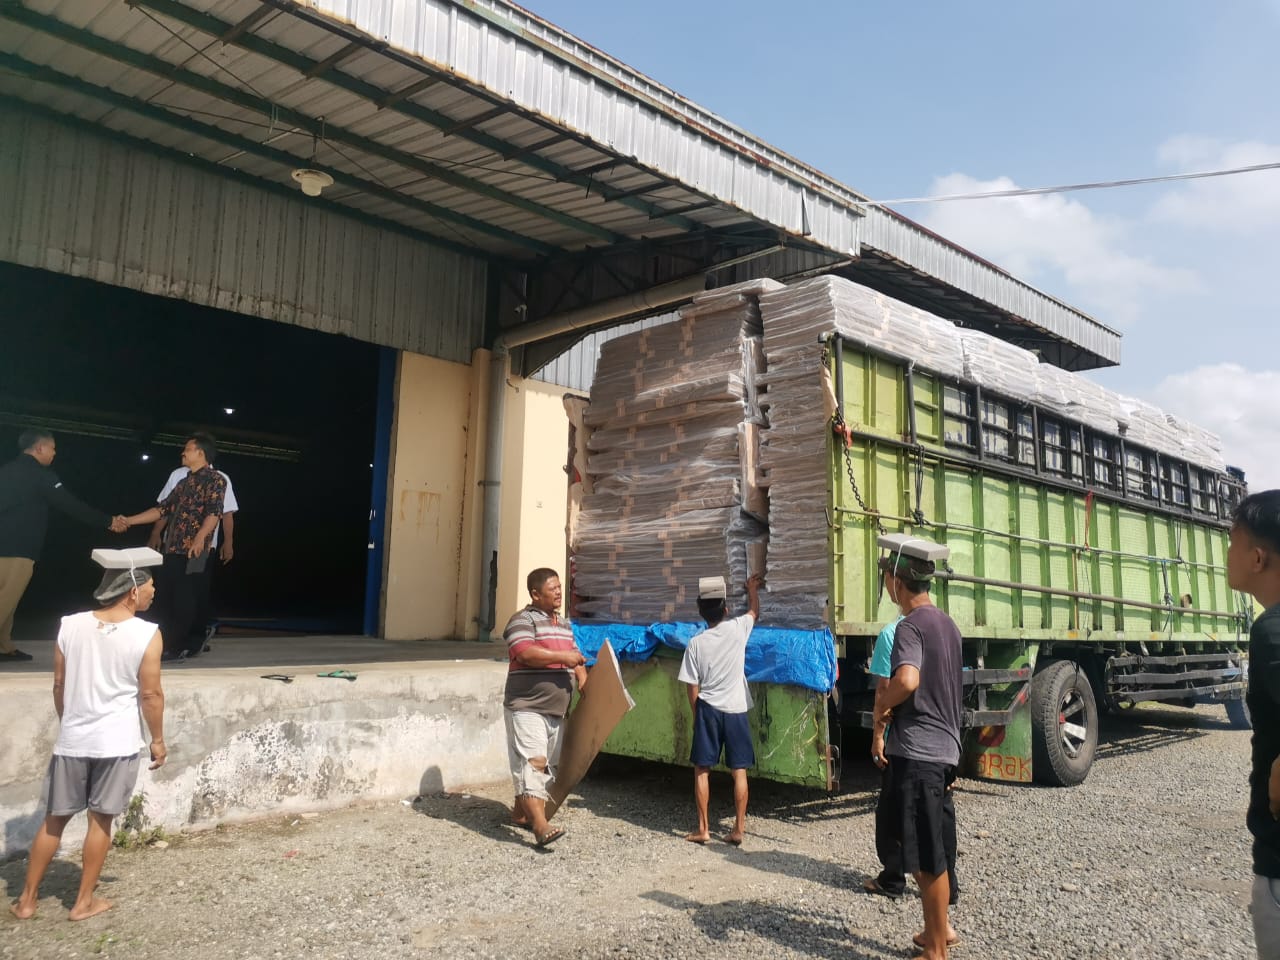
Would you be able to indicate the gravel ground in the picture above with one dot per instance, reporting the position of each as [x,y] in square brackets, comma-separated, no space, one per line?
[1148,858]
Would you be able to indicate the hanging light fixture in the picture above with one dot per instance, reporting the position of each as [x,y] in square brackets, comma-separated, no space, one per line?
[313,181]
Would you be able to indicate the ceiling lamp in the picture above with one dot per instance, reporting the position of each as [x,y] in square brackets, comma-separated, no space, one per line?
[312,181]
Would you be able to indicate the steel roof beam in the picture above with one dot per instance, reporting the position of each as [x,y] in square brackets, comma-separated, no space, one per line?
[697,206]
[248,179]
[474,121]
[328,63]
[517,152]
[244,26]
[244,144]
[207,23]
[214,88]
[641,191]
[408,90]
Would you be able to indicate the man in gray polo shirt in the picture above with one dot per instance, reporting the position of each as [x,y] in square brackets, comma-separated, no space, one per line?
[924,699]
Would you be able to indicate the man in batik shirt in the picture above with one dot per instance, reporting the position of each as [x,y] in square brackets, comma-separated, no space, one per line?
[193,510]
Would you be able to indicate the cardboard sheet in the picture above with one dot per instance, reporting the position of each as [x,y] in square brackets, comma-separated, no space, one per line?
[603,704]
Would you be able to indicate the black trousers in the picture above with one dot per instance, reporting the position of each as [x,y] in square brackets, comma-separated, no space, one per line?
[889,850]
[178,601]
[204,591]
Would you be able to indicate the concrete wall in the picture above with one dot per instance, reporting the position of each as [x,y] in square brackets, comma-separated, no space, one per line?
[242,747]
[429,545]
[534,490]
[435,502]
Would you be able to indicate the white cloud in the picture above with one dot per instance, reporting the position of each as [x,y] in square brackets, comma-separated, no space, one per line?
[1242,203]
[1038,237]
[1239,406]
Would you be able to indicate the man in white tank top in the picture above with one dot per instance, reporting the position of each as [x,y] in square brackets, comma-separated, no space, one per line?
[105,667]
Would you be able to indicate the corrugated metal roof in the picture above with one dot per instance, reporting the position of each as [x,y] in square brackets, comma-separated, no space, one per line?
[75,202]
[576,367]
[925,251]
[469,120]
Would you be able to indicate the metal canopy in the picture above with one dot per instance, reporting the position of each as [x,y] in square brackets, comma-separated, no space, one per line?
[475,124]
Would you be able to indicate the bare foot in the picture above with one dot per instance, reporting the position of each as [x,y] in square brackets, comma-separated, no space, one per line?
[21,912]
[734,838]
[697,837]
[96,906]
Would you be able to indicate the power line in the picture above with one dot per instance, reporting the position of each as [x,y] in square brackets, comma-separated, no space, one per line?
[1070,187]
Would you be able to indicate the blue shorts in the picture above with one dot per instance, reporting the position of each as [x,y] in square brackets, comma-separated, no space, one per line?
[714,730]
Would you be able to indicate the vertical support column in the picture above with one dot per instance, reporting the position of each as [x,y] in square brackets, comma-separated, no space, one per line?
[492,484]
[388,363]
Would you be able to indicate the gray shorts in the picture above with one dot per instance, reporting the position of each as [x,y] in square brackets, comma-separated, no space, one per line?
[103,784]
[532,735]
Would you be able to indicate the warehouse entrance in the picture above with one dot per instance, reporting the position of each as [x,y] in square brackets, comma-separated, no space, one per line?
[121,378]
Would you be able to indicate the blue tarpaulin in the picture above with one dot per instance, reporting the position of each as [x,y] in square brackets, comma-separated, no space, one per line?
[805,658]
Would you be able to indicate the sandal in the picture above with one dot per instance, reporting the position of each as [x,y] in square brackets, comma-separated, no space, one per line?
[338,674]
[952,942]
[872,885]
[550,837]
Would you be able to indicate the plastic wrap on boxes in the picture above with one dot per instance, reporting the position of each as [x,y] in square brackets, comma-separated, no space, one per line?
[675,422]
[996,365]
[703,429]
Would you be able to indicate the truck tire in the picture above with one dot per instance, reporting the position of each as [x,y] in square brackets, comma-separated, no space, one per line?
[1238,715]
[1064,725]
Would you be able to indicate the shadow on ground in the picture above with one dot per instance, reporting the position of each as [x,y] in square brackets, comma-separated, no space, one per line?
[481,815]
[814,934]
[61,880]
[1136,731]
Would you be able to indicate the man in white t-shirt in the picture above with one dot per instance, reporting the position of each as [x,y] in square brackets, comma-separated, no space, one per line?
[227,527]
[714,669]
[106,666]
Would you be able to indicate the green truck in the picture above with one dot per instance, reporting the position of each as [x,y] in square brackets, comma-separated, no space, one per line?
[1087,569]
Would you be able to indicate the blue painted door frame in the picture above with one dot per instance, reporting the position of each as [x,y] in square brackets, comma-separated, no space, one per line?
[387,358]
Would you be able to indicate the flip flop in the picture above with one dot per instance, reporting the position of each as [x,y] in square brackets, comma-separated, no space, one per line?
[338,674]
[952,942]
[282,677]
[521,824]
[873,886]
[550,837]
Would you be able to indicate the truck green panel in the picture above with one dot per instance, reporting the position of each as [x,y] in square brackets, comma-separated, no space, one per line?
[1026,531]
[1048,539]
[788,724]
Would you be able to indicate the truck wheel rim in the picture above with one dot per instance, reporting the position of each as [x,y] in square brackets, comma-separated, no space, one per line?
[1071,723]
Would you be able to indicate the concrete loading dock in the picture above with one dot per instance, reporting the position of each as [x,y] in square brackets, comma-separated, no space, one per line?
[418,718]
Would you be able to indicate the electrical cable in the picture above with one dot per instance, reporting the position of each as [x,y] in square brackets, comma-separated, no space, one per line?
[1071,187]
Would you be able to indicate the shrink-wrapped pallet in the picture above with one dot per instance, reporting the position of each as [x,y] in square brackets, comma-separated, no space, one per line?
[675,421]
[708,442]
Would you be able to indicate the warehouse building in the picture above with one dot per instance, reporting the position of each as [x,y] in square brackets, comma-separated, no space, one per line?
[344,238]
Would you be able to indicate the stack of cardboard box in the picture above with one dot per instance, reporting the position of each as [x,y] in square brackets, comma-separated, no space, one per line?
[672,427]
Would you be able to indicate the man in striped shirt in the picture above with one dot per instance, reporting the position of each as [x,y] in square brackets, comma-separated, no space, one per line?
[544,662]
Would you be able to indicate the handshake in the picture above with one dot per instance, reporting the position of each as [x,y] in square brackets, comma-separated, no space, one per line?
[118,524]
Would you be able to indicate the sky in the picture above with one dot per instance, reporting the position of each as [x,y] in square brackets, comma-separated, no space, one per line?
[931,98]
